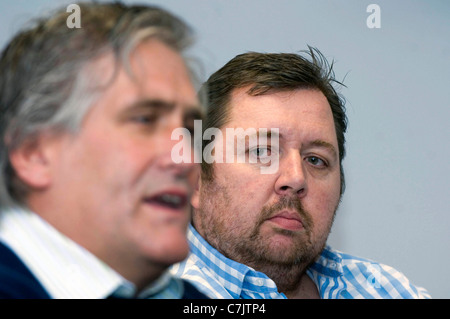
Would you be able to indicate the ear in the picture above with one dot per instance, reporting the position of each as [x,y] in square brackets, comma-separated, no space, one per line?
[195,199]
[31,163]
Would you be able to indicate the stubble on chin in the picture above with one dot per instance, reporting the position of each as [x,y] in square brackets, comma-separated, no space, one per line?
[296,247]
[251,243]
[242,240]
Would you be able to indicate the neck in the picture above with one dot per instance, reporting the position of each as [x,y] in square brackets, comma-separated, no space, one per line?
[140,271]
[291,280]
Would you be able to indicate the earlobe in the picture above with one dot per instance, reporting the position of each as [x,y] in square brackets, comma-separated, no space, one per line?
[195,200]
[31,164]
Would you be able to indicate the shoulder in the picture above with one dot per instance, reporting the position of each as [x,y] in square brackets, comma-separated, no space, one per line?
[191,292]
[195,272]
[17,281]
[369,279]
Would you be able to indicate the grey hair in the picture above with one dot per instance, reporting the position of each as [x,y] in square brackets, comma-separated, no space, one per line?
[45,82]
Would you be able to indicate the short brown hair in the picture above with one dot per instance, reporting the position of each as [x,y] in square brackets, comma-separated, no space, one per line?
[265,73]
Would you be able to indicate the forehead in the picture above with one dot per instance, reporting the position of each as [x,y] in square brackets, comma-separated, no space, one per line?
[290,111]
[154,64]
[153,71]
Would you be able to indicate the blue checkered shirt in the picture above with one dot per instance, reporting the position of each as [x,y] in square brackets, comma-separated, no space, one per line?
[336,275]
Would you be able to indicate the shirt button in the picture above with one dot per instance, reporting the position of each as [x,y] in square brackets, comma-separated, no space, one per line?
[260,282]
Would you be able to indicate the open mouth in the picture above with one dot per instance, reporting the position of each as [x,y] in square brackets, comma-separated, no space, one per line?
[168,200]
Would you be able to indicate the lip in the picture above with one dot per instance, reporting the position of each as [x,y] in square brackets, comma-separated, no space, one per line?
[170,199]
[288,220]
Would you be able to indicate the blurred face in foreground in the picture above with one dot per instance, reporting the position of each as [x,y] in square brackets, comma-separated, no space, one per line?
[274,221]
[112,186]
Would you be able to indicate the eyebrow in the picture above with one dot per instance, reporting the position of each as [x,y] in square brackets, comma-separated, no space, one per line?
[191,112]
[324,144]
[270,132]
[160,105]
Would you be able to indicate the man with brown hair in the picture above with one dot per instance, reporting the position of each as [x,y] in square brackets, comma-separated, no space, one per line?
[257,235]
[92,206]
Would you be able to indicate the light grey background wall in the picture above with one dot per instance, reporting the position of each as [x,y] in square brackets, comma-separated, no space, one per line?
[396,209]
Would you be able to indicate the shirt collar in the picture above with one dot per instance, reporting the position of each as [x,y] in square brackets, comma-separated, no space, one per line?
[64,268]
[165,287]
[328,263]
[238,279]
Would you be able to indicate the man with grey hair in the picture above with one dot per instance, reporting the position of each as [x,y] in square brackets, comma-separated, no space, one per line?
[92,206]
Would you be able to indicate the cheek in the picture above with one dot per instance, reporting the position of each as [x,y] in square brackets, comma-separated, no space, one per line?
[122,163]
[245,186]
[108,168]
[322,208]
[247,195]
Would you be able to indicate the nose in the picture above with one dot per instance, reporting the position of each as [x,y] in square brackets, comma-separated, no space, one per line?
[166,145]
[166,162]
[292,178]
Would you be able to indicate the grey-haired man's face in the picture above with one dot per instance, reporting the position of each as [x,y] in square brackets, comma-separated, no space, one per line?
[113,186]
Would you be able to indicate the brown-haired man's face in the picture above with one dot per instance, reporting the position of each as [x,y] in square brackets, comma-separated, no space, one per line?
[284,217]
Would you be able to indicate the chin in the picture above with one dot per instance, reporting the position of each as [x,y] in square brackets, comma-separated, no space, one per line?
[172,252]
[289,252]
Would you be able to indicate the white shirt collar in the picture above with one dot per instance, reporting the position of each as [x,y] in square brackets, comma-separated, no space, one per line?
[64,268]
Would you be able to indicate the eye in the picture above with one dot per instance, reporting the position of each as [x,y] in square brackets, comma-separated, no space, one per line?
[316,161]
[260,151]
[145,119]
